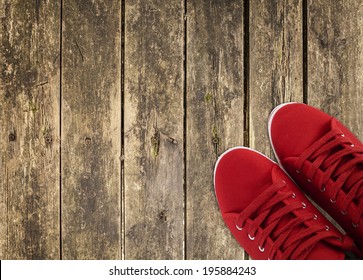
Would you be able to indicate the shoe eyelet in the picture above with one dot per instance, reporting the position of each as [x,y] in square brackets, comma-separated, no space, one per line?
[342,135]
[293,195]
[323,189]
[261,248]
[343,212]
[315,217]
[327,228]
[239,228]
[352,145]
[298,171]
[303,205]
[309,180]
[251,237]
[333,201]
[355,225]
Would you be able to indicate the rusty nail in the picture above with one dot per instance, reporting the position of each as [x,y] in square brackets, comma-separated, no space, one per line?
[48,139]
[88,140]
[12,137]
[172,140]
[215,140]
[163,215]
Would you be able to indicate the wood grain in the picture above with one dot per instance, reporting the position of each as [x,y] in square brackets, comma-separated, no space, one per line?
[29,129]
[91,129]
[69,189]
[335,60]
[276,63]
[154,196]
[214,119]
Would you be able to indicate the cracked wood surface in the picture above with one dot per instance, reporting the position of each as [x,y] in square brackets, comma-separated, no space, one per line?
[276,63]
[335,60]
[91,116]
[113,114]
[215,101]
[154,168]
[29,129]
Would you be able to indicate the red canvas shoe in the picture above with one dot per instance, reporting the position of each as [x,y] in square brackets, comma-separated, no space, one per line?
[268,215]
[324,158]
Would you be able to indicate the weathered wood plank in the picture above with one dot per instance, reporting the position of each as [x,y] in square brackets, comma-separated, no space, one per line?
[276,63]
[154,196]
[335,60]
[214,118]
[29,129]
[91,129]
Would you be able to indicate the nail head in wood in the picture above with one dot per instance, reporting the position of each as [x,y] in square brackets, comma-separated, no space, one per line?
[48,139]
[88,141]
[12,137]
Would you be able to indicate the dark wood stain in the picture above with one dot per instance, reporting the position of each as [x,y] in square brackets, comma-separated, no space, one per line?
[29,168]
[276,63]
[154,115]
[215,101]
[91,116]
[334,58]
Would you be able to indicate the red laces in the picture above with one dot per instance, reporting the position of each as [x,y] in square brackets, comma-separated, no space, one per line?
[336,167]
[294,232]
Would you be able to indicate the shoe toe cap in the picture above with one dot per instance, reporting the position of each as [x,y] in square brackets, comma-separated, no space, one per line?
[241,175]
[293,127]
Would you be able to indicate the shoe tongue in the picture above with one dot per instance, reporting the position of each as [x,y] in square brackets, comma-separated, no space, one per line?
[321,250]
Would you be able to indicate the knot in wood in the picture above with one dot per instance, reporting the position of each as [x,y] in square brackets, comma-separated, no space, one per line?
[155,139]
[155,142]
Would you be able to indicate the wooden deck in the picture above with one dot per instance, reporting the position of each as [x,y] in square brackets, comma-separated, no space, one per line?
[113,113]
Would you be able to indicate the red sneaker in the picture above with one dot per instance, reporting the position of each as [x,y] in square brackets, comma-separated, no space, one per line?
[268,215]
[324,158]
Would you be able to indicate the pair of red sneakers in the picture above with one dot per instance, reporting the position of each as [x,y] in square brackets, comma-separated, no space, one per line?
[269,214]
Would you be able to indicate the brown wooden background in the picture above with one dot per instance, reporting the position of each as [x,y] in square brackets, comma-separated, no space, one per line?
[112,114]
